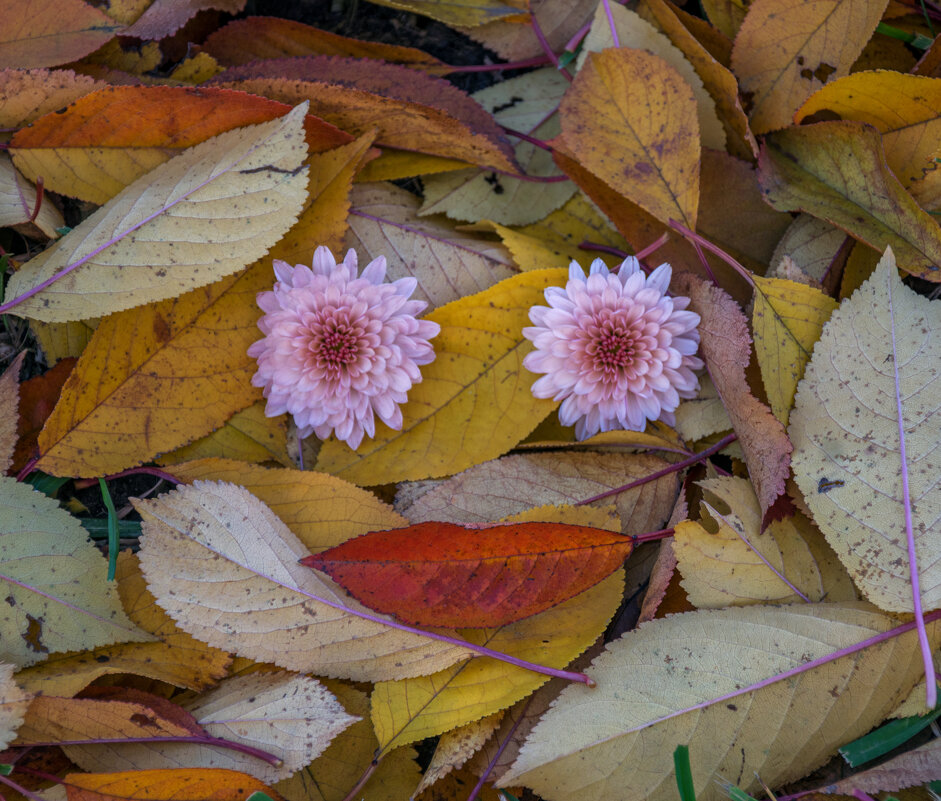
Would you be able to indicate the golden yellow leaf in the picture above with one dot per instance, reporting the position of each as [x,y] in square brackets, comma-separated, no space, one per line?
[112,56]
[17,202]
[456,746]
[290,716]
[447,263]
[13,703]
[201,216]
[63,340]
[196,69]
[248,436]
[787,49]
[726,15]
[411,709]
[873,375]
[186,784]
[320,509]
[463,12]
[787,319]
[474,402]
[394,164]
[226,570]
[837,171]
[728,560]
[53,582]
[630,119]
[860,265]
[905,109]
[336,770]
[605,744]
[635,32]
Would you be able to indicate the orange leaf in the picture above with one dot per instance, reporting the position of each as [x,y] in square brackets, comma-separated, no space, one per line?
[44,33]
[442,574]
[412,111]
[106,140]
[38,396]
[182,784]
[245,40]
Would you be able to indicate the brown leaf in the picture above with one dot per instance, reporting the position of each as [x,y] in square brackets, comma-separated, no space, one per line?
[165,17]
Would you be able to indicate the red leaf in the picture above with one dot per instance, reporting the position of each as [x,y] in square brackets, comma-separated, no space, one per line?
[442,574]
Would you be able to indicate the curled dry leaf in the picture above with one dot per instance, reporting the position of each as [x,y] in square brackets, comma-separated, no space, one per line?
[13,704]
[226,570]
[51,578]
[917,766]
[179,227]
[848,458]
[606,743]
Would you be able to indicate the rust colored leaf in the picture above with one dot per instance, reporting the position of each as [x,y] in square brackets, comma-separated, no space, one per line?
[726,346]
[412,111]
[182,784]
[106,140]
[44,33]
[38,396]
[245,40]
[442,574]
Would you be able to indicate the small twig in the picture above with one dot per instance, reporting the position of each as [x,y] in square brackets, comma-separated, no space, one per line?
[527,138]
[697,240]
[496,757]
[367,775]
[40,193]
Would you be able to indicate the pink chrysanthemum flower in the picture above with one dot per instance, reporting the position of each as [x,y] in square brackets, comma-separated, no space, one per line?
[340,349]
[615,349]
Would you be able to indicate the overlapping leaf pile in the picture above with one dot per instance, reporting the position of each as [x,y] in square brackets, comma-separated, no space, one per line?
[290,631]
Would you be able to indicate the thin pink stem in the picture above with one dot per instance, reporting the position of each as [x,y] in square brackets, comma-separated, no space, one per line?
[586,245]
[787,674]
[537,61]
[932,690]
[544,43]
[271,759]
[527,138]
[496,757]
[673,468]
[367,775]
[651,536]
[27,469]
[21,790]
[576,40]
[658,243]
[611,25]
[698,239]
[40,192]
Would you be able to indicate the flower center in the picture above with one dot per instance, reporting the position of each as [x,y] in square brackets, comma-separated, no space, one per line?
[338,347]
[614,350]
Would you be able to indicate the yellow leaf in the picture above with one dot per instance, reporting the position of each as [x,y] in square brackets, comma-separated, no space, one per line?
[787,49]
[13,703]
[447,263]
[52,580]
[201,216]
[411,709]
[848,455]
[474,402]
[226,570]
[630,119]
[860,265]
[394,164]
[336,770]
[183,784]
[320,509]
[837,171]
[63,340]
[905,109]
[248,436]
[605,744]
[726,15]
[728,560]
[456,746]
[787,319]
[196,69]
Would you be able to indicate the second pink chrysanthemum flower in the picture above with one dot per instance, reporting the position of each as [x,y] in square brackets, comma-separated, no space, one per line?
[614,348]
[340,349]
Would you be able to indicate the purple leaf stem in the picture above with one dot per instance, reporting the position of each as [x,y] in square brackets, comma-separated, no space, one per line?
[271,759]
[698,241]
[586,245]
[27,469]
[490,765]
[932,690]
[576,40]
[614,30]
[787,674]
[544,43]
[673,468]
[40,191]
[527,138]
[650,536]
[21,790]
[367,775]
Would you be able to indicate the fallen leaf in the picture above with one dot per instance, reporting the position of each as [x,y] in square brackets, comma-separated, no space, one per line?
[411,709]
[9,404]
[493,490]
[916,766]
[320,509]
[586,746]
[448,264]
[812,243]
[630,119]
[53,582]
[559,22]
[186,784]
[443,574]
[291,717]
[233,542]
[848,458]
[165,17]
[63,340]
[726,15]
[728,560]
[787,319]
[726,347]
[27,95]
[702,416]
[336,770]
[837,171]
[50,32]
[474,402]
[461,12]
[245,40]
[107,140]
[785,50]
[18,200]
[209,193]
[13,704]
[456,746]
